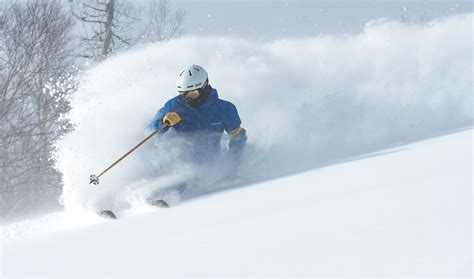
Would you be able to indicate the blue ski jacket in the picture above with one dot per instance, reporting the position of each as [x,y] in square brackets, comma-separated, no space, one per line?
[205,124]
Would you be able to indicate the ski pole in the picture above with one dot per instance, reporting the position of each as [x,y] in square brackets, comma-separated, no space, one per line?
[94,179]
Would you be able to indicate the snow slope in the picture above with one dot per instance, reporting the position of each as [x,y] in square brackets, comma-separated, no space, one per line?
[404,211]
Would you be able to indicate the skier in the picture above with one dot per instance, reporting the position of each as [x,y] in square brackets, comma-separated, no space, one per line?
[199,117]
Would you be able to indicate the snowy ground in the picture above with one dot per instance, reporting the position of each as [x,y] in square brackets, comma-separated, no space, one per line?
[404,211]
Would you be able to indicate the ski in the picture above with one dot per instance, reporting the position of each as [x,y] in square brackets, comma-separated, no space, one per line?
[109,214]
[159,203]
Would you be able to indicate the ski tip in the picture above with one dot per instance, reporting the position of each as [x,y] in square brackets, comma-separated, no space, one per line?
[107,214]
[160,203]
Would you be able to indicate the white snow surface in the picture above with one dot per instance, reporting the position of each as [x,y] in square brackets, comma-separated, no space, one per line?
[404,211]
[337,186]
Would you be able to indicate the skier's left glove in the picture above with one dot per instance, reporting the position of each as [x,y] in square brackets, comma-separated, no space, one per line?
[171,119]
[237,141]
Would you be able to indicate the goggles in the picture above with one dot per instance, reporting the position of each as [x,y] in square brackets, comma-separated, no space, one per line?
[191,94]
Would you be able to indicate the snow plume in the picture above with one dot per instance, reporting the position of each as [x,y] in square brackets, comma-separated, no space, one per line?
[304,102]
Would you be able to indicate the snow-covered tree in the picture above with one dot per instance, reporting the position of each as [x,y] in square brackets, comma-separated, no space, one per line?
[107,26]
[110,25]
[35,86]
[164,23]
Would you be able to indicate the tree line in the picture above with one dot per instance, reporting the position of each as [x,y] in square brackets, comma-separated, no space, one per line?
[42,45]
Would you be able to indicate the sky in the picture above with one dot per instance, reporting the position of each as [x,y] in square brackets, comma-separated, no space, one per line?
[267,19]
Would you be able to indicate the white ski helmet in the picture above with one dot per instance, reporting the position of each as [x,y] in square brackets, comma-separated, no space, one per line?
[191,78]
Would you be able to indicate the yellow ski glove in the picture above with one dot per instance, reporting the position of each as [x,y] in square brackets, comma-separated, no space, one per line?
[171,119]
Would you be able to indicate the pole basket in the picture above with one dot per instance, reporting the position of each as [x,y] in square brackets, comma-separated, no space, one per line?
[94,179]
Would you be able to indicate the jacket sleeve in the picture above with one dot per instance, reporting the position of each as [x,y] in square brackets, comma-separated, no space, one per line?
[237,134]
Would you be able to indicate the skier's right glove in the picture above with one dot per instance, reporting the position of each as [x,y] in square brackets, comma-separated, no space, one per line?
[171,119]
